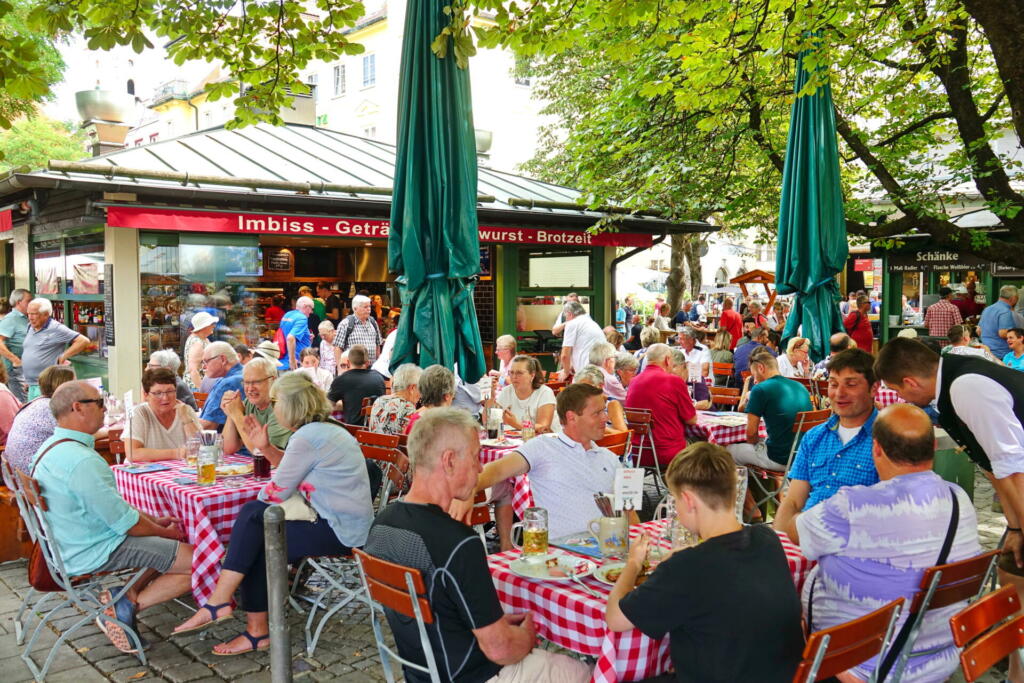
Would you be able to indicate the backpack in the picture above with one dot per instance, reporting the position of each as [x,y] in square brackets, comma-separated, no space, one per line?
[281,342]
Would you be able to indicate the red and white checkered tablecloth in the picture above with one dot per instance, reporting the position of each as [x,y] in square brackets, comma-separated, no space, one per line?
[522,497]
[887,397]
[206,512]
[574,619]
[723,435]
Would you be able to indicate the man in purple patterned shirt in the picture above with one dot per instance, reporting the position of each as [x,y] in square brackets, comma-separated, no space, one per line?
[873,543]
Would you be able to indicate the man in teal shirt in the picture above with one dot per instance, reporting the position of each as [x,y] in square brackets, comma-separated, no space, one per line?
[1015,356]
[13,328]
[777,399]
[94,528]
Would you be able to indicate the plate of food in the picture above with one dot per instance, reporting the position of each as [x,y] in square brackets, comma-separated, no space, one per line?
[552,567]
[609,573]
[234,470]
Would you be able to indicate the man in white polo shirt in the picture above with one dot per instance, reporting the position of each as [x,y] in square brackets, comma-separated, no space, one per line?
[581,333]
[566,470]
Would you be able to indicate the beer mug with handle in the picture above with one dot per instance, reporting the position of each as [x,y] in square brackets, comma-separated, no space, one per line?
[535,533]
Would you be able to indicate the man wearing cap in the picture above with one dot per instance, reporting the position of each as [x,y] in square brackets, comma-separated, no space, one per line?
[203,325]
[295,330]
[942,314]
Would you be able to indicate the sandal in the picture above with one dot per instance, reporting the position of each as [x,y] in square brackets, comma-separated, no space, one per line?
[253,640]
[124,611]
[214,619]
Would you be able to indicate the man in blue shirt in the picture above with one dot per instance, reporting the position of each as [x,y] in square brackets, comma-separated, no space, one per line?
[997,320]
[13,328]
[220,361]
[294,328]
[93,527]
[741,356]
[837,453]
[1015,357]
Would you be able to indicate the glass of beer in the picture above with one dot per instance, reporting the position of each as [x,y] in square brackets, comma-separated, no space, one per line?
[535,533]
[206,467]
[260,466]
[192,446]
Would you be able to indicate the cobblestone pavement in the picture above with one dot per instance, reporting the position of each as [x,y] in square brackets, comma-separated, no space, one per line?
[346,651]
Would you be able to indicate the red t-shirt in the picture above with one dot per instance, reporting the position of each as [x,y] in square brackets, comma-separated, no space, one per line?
[273,314]
[668,399]
[733,323]
[859,328]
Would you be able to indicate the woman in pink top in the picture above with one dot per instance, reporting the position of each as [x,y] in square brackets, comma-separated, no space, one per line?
[9,406]
[437,389]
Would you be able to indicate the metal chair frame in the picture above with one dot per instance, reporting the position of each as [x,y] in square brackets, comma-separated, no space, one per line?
[417,607]
[963,577]
[804,422]
[81,592]
[641,422]
[340,573]
[853,649]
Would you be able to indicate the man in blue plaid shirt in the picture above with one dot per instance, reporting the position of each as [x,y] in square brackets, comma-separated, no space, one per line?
[837,453]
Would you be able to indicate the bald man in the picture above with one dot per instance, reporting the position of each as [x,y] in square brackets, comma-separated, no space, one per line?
[872,542]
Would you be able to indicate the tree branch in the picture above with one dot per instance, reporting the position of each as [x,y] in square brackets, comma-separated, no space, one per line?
[914,126]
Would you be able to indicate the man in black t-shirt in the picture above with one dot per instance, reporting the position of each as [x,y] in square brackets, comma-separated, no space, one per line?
[472,639]
[332,304]
[729,604]
[357,383]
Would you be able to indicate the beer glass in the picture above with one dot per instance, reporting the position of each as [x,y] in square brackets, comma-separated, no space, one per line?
[535,533]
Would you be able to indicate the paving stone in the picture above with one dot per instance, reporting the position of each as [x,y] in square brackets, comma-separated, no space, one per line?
[131,674]
[233,667]
[187,672]
[98,654]
[119,663]
[82,674]
[261,677]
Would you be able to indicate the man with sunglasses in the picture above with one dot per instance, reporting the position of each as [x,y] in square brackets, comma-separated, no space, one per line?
[94,528]
[221,362]
[258,376]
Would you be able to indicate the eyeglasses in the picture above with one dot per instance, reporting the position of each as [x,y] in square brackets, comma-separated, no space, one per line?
[210,360]
[97,401]
[162,394]
[518,373]
[254,382]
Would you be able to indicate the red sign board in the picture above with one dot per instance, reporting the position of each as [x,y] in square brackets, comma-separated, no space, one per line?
[863,265]
[5,221]
[325,226]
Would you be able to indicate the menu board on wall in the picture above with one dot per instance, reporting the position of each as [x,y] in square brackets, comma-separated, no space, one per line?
[108,304]
[279,261]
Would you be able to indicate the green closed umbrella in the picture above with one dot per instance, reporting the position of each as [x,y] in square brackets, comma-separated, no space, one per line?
[812,230]
[433,244]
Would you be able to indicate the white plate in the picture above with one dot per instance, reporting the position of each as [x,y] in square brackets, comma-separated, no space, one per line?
[498,443]
[601,574]
[539,568]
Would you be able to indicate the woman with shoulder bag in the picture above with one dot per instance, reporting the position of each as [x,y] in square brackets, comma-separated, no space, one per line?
[325,466]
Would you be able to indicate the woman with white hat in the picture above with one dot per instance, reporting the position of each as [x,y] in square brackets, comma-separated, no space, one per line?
[203,325]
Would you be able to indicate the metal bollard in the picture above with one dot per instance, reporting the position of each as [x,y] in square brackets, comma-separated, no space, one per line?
[277,591]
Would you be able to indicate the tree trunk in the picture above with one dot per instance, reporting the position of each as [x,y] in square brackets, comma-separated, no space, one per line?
[693,253]
[677,276]
[1003,22]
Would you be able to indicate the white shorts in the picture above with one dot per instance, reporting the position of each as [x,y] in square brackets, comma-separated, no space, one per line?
[755,454]
[541,666]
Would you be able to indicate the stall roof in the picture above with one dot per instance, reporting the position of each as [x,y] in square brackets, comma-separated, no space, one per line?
[295,153]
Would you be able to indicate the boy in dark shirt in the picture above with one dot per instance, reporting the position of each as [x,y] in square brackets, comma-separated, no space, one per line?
[729,603]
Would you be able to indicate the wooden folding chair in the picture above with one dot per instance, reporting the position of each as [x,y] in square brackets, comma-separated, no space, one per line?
[834,650]
[353,429]
[391,461]
[556,386]
[367,407]
[641,423]
[402,590]
[980,629]
[942,586]
[480,515]
[200,398]
[720,369]
[368,438]
[617,443]
[724,396]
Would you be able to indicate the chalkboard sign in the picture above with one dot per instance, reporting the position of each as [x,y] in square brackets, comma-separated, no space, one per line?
[279,261]
[108,304]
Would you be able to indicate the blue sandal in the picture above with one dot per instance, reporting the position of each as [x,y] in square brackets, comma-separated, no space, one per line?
[253,640]
[214,619]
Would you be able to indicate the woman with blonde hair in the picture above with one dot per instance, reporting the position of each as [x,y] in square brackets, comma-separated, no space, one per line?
[324,465]
[796,361]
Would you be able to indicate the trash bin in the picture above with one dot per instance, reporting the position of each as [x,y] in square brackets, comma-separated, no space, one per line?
[951,463]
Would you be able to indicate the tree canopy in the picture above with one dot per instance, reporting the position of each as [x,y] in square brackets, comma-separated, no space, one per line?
[31,142]
[684,106]
[29,63]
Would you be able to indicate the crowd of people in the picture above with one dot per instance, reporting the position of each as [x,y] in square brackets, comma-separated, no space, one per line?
[863,501]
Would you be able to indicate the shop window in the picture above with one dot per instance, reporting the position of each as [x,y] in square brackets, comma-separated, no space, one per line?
[49,267]
[182,275]
[83,265]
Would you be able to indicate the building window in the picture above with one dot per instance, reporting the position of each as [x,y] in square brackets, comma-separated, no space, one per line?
[339,80]
[370,132]
[138,142]
[131,87]
[153,137]
[369,71]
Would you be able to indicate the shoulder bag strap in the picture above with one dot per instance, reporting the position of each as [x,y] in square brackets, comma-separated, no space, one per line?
[48,448]
[901,638]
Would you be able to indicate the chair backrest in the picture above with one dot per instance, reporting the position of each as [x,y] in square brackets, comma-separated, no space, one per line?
[617,443]
[11,480]
[39,529]
[954,582]
[200,398]
[556,386]
[996,641]
[722,368]
[367,406]
[836,649]
[353,429]
[640,422]
[401,589]
[724,396]
[367,438]
[391,461]
[808,419]
[807,382]
[481,512]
